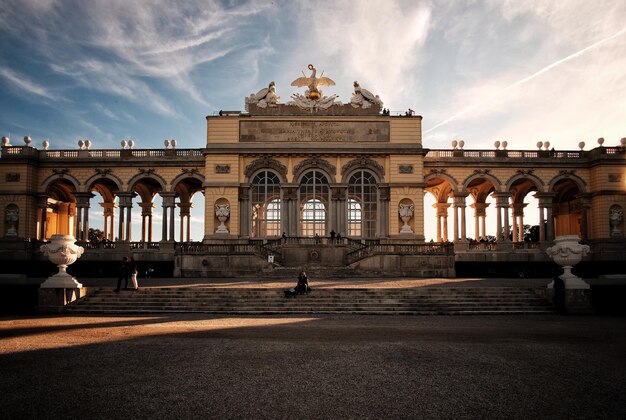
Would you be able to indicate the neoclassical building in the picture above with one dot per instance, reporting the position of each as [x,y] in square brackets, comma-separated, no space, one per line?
[312,183]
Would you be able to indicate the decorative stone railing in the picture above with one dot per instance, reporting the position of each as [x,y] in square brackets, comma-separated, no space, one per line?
[520,154]
[102,153]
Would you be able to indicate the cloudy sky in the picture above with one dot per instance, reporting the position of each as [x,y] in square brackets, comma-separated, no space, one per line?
[481,71]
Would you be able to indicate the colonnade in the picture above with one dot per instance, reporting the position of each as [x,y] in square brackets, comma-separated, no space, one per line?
[509,217]
[74,217]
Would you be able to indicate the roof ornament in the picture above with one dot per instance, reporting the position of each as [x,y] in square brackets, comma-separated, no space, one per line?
[363,98]
[313,97]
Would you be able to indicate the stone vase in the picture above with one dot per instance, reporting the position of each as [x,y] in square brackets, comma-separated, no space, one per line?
[62,251]
[567,252]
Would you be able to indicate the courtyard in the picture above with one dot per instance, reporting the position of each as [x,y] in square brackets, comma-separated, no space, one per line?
[312,367]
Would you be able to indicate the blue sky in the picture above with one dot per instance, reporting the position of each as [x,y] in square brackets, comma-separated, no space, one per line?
[152,70]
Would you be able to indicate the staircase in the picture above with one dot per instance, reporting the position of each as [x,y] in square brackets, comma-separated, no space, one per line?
[249,301]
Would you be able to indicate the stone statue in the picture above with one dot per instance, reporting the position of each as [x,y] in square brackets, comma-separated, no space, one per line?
[616,215]
[363,98]
[312,83]
[264,98]
[406,213]
[222,212]
[12,217]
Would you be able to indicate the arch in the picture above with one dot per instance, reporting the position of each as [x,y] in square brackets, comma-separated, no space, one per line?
[186,176]
[539,184]
[59,177]
[373,173]
[428,179]
[147,175]
[315,162]
[567,175]
[266,162]
[363,162]
[484,175]
[99,176]
[320,170]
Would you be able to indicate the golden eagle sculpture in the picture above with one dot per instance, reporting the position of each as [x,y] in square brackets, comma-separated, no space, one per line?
[312,83]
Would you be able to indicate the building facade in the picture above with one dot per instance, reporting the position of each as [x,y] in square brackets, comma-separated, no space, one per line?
[313,183]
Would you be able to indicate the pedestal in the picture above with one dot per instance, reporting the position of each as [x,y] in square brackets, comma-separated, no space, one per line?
[55,299]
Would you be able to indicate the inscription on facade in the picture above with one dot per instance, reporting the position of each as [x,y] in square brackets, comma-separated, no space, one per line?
[314,131]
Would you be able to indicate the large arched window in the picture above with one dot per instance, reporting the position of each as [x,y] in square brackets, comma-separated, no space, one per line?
[265,200]
[314,196]
[362,199]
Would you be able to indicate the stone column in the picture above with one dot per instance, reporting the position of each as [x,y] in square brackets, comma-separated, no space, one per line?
[185,216]
[502,202]
[288,212]
[460,231]
[42,204]
[545,202]
[168,216]
[126,205]
[442,218]
[108,215]
[82,215]
[585,205]
[480,215]
[244,210]
[383,211]
[146,221]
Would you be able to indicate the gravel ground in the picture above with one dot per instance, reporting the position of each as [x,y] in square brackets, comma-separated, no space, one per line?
[322,367]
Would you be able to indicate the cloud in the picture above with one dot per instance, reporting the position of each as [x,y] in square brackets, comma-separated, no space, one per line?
[21,84]
[563,86]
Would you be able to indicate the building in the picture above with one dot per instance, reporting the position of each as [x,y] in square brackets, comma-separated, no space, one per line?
[313,183]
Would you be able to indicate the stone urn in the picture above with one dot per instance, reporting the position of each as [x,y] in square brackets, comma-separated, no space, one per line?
[62,251]
[406,213]
[567,252]
[222,212]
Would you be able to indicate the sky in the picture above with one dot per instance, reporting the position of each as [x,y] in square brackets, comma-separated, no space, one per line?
[150,70]
[479,71]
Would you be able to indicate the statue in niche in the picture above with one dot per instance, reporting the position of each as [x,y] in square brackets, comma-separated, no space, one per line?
[264,98]
[222,212]
[363,98]
[616,215]
[11,217]
[406,214]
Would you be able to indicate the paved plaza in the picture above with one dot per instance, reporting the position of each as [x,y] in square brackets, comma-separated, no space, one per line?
[313,367]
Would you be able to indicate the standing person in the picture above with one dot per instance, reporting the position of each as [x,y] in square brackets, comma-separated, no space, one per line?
[124,273]
[132,269]
[332,236]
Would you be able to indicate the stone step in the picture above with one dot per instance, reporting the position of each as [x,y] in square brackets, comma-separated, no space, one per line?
[268,301]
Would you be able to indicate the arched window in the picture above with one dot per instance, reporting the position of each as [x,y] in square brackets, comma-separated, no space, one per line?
[265,200]
[362,205]
[314,196]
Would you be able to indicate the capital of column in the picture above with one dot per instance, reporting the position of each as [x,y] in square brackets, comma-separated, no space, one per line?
[384,192]
[545,199]
[480,208]
[82,198]
[185,208]
[290,191]
[146,208]
[442,208]
[42,201]
[502,199]
[126,198]
[518,208]
[168,199]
